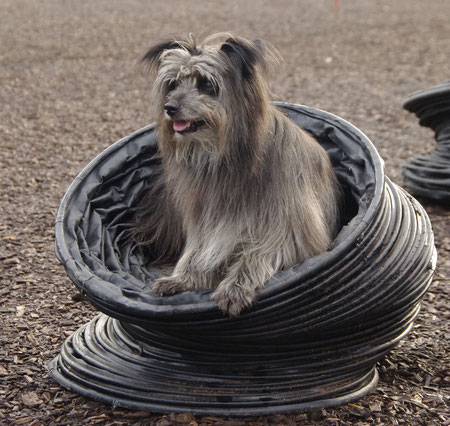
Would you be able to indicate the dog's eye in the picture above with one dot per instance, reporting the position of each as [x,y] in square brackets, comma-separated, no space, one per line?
[172,85]
[207,86]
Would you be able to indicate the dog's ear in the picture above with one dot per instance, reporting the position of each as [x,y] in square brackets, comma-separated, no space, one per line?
[152,56]
[245,55]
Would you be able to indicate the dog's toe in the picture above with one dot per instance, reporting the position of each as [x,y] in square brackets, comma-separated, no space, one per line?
[167,286]
[232,299]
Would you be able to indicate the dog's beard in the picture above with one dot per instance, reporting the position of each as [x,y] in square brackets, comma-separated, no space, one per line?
[190,142]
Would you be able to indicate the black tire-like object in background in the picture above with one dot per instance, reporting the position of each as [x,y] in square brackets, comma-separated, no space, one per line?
[311,340]
[428,175]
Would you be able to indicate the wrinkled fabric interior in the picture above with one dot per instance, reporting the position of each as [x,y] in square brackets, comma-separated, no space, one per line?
[97,214]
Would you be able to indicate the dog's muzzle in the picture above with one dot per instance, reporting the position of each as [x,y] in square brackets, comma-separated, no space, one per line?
[181,126]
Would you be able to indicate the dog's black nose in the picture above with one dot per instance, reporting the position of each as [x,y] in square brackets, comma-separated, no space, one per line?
[171,108]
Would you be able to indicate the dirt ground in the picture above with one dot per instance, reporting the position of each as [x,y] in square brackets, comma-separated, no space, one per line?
[69,88]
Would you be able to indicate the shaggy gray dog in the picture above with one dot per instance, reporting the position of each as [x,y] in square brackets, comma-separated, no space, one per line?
[244,192]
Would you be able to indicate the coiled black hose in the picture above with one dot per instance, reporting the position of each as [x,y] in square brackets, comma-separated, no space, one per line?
[311,340]
[428,175]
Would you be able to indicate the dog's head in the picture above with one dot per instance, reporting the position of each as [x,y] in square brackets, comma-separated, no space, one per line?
[209,96]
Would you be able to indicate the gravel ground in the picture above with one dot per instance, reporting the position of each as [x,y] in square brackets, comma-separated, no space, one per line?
[70,88]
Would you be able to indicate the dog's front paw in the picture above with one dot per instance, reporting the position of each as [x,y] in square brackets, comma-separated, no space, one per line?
[233,298]
[168,285]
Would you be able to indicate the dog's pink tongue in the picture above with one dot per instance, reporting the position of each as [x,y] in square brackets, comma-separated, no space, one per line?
[180,126]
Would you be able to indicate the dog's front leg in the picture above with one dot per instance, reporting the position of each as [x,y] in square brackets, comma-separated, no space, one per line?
[180,280]
[243,279]
[184,278]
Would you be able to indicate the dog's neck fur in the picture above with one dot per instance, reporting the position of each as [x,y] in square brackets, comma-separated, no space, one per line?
[245,146]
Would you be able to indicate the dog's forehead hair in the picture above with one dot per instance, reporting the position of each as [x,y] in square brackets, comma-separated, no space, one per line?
[179,64]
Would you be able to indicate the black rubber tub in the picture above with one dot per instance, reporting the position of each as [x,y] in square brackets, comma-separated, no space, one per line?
[428,175]
[311,340]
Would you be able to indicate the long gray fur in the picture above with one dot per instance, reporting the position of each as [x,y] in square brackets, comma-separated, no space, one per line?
[244,192]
